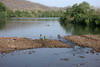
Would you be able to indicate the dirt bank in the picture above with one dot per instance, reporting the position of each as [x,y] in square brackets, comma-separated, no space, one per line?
[92,41]
[9,44]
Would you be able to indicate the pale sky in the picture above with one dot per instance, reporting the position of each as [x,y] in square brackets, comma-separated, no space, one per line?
[64,3]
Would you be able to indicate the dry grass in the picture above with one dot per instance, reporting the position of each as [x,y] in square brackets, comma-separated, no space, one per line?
[8,44]
[92,41]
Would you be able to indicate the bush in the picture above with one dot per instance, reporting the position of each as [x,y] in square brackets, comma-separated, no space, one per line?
[82,14]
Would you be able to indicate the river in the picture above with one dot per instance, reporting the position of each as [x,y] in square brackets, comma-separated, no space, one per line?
[49,27]
[46,57]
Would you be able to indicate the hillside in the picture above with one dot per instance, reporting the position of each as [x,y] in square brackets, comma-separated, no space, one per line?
[26,5]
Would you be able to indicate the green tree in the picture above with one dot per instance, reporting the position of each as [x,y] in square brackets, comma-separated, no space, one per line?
[82,14]
[2,7]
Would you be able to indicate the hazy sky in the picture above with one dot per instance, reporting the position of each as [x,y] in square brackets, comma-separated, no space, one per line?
[63,3]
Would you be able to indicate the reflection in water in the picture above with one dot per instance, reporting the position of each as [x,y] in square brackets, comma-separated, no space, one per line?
[49,27]
[2,23]
[32,28]
[81,30]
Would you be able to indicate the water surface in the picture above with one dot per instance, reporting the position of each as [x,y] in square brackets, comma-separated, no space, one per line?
[33,27]
[46,57]
[50,57]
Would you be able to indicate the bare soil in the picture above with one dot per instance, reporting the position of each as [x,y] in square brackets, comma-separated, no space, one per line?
[8,44]
[92,41]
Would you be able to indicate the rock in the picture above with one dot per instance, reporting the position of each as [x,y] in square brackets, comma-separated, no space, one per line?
[29,52]
[92,51]
[65,59]
[87,52]
[97,54]
[81,56]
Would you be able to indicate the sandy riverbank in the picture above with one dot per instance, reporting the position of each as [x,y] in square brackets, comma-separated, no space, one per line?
[8,44]
[14,43]
[92,41]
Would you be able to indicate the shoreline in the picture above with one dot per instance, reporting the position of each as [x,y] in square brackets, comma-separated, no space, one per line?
[90,41]
[8,44]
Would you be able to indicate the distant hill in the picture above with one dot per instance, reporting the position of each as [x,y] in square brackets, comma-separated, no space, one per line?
[26,5]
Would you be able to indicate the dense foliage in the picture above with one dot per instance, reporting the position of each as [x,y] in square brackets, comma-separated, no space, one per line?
[5,12]
[2,7]
[2,10]
[82,14]
[37,13]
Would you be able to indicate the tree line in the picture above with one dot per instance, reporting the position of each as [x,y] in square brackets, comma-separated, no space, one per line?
[4,11]
[82,14]
[36,13]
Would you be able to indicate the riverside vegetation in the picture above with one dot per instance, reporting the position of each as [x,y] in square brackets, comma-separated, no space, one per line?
[2,10]
[82,14]
[77,14]
[6,12]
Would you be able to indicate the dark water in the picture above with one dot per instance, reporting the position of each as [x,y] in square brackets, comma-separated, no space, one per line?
[46,57]
[81,30]
[33,27]
[50,57]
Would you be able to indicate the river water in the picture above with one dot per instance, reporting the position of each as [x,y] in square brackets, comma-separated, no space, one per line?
[32,28]
[49,27]
[46,57]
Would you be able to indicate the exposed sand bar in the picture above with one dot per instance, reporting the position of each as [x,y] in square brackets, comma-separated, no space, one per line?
[14,43]
[92,41]
[8,44]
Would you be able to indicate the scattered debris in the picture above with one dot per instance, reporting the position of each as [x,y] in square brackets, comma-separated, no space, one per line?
[80,64]
[97,54]
[92,51]
[87,52]
[81,56]
[65,59]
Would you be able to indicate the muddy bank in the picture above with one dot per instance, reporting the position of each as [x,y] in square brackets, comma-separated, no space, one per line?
[92,41]
[9,44]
